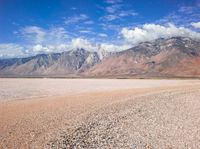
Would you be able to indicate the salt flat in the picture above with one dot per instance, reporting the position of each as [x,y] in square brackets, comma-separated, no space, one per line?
[99,113]
[29,88]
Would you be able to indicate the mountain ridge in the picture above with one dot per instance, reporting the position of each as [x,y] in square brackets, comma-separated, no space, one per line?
[172,57]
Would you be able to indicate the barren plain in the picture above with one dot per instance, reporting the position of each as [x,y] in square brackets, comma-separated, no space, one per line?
[99,113]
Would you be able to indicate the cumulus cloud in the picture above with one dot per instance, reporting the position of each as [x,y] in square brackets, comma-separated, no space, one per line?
[49,48]
[196,24]
[98,47]
[57,39]
[114,47]
[78,43]
[75,43]
[9,50]
[51,40]
[39,48]
[38,40]
[150,32]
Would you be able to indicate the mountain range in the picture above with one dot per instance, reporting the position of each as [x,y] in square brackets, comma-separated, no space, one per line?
[172,57]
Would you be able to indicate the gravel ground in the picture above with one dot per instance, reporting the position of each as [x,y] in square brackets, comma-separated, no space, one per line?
[166,120]
[162,116]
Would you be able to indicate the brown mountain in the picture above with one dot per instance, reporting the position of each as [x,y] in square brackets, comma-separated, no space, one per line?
[174,57]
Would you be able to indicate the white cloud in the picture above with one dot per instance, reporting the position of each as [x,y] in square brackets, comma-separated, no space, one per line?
[89,22]
[15,50]
[110,17]
[113,8]
[57,39]
[41,40]
[74,8]
[184,15]
[186,9]
[150,32]
[76,19]
[39,48]
[116,11]
[56,35]
[114,47]
[37,35]
[127,13]
[98,47]
[109,26]
[82,43]
[196,25]
[118,15]
[49,48]
[34,31]
[103,35]
[86,31]
[9,50]
[113,1]
[62,47]
[75,43]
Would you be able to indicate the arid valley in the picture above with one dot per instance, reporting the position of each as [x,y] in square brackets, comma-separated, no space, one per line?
[99,113]
[99,74]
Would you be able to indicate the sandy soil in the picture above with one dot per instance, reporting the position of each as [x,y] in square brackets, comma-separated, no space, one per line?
[105,114]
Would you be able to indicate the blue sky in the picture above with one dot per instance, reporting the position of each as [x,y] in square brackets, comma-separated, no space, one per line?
[28,27]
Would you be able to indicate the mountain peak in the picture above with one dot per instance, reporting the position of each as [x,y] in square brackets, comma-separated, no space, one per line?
[176,56]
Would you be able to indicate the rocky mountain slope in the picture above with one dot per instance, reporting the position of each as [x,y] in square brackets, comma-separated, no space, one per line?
[67,63]
[173,57]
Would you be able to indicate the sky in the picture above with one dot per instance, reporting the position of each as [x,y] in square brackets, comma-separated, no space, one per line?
[30,27]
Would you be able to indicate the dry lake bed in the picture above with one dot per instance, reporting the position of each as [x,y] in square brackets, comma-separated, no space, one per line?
[99,113]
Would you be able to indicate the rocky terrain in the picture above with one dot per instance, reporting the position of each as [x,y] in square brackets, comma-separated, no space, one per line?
[164,120]
[173,57]
[70,62]
[147,114]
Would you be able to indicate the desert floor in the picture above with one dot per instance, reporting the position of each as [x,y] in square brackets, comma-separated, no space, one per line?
[99,113]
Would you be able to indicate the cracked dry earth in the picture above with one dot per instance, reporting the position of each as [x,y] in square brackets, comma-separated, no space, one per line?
[146,118]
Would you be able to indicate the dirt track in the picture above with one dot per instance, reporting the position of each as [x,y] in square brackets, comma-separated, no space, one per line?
[164,116]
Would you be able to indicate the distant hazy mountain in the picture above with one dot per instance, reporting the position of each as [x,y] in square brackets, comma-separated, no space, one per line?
[174,57]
